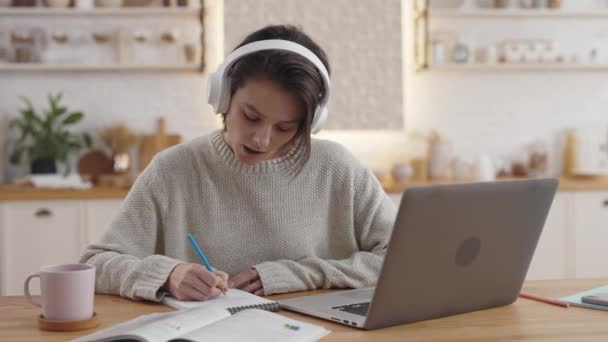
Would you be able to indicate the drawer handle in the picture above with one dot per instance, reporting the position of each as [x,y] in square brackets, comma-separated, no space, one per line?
[43,213]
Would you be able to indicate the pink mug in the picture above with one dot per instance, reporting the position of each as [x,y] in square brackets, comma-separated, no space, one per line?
[67,291]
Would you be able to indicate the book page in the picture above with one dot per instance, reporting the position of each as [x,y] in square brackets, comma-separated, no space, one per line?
[158,326]
[256,325]
[233,298]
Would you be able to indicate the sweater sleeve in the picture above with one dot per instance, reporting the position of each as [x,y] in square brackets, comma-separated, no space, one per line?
[374,214]
[127,259]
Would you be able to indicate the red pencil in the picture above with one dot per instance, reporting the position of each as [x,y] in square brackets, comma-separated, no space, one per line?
[545,300]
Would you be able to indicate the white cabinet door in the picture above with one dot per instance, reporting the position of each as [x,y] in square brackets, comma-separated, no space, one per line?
[37,233]
[98,215]
[591,237]
[550,257]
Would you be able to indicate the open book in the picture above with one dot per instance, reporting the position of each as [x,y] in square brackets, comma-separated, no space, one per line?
[209,324]
[234,301]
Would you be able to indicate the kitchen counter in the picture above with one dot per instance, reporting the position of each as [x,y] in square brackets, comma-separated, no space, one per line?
[22,193]
[565,184]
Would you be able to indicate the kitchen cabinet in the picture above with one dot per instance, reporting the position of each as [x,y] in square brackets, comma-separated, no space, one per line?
[37,233]
[98,215]
[550,257]
[591,236]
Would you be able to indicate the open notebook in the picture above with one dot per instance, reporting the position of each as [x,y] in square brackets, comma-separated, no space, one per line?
[575,299]
[209,324]
[234,301]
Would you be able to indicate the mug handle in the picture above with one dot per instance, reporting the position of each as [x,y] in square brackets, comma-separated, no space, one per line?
[26,289]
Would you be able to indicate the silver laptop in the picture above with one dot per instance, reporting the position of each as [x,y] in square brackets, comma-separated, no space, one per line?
[454,249]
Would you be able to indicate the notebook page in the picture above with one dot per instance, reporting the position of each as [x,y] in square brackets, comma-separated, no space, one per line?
[256,325]
[159,326]
[233,298]
[180,322]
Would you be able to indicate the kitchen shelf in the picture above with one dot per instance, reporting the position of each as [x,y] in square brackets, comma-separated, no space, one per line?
[520,67]
[125,11]
[99,68]
[517,13]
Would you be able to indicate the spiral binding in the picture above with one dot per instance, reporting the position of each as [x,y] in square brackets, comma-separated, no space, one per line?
[266,306]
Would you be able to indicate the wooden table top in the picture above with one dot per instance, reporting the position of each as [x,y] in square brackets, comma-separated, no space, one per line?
[525,320]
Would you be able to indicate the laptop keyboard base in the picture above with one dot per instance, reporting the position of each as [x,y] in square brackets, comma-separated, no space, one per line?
[356,309]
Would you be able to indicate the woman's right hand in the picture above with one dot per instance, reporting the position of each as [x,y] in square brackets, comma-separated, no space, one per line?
[194,282]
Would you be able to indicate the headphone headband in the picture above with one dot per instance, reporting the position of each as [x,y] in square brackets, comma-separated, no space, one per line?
[219,84]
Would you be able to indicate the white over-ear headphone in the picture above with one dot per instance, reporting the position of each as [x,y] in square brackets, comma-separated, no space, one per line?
[219,84]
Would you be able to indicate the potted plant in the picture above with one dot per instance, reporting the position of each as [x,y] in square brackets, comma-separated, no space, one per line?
[46,138]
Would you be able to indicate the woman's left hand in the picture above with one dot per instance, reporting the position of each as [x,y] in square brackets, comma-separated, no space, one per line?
[248,280]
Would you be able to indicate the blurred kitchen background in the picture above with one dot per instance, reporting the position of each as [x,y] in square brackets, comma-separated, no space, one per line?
[423,92]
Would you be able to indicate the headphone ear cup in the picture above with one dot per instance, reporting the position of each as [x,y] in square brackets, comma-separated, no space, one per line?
[213,90]
[319,119]
[224,96]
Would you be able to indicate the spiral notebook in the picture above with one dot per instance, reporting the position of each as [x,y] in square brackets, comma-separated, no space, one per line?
[234,301]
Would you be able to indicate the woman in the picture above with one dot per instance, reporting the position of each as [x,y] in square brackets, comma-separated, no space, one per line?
[275,210]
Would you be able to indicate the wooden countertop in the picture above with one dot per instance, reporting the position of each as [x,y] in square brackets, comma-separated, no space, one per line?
[565,184]
[23,193]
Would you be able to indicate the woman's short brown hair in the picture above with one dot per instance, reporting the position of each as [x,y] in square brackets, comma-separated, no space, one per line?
[294,73]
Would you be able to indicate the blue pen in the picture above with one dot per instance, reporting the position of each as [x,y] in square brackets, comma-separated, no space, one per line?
[201,255]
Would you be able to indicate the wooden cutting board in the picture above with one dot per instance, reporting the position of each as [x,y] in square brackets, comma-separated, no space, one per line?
[152,144]
[93,164]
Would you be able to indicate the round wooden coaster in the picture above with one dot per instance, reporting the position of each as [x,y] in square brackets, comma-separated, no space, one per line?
[50,325]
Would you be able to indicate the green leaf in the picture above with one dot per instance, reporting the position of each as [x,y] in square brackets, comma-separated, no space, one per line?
[73,118]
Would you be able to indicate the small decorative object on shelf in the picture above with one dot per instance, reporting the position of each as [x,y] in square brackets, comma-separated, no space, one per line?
[438,52]
[119,138]
[460,53]
[469,4]
[401,172]
[538,159]
[442,47]
[93,164]
[24,3]
[554,4]
[109,3]
[84,4]
[57,3]
[502,3]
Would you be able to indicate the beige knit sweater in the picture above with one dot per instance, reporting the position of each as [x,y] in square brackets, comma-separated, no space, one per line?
[326,227]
